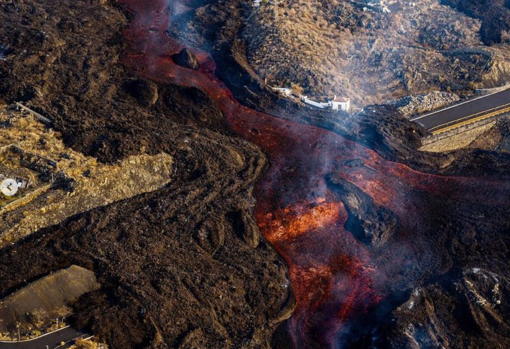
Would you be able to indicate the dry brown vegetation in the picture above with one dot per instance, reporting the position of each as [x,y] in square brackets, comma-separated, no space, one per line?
[336,47]
[88,344]
[90,183]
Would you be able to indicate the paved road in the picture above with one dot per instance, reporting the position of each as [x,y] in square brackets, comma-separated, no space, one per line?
[50,341]
[467,112]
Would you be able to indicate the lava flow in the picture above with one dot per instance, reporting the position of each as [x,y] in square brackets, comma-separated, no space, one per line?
[335,276]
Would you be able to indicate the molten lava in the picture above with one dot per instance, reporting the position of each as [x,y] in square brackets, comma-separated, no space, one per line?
[299,219]
[335,277]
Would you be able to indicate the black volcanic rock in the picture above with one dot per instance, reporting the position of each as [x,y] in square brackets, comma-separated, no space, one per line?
[173,269]
[186,59]
[146,92]
[369,223]
[494,15]
[459,311]
[245,227]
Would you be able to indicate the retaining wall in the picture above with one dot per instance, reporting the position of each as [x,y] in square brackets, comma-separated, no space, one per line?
[435,138]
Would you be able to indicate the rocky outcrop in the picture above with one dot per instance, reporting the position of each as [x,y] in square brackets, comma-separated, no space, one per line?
[146,92]
[369,223]
[465,311]
[497,72]
[186,59]
[412,105]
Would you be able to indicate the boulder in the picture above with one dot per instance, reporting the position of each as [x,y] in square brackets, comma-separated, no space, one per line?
[186,59]
[146,92]
[369,223]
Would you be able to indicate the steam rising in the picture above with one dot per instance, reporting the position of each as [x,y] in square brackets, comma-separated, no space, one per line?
[336,277]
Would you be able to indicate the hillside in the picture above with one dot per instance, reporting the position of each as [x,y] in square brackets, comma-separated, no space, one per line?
[355,50]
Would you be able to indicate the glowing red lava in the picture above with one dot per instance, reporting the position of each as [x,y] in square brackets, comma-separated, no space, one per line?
[294,221]
[334,276]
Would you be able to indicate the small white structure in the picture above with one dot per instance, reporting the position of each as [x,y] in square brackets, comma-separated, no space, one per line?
[341,103]
[314,103]
[23,183]
[338,103]
[287,92]
[381,5]
[256,3]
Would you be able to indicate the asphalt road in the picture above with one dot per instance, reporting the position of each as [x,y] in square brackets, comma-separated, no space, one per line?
[50,341]
[463,110]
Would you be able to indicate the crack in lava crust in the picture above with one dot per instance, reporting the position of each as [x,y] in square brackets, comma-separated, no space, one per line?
[335,277]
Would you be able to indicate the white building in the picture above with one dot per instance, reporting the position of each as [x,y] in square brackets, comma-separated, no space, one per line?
[341,103]
[338,103]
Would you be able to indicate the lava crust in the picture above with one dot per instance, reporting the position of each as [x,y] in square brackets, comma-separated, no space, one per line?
[381,247]
[174,269]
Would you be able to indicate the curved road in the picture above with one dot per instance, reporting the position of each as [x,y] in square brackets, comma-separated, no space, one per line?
[474,110]
[51,340]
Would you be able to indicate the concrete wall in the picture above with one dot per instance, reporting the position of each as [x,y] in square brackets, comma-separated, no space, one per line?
[431,138]
[316,104]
